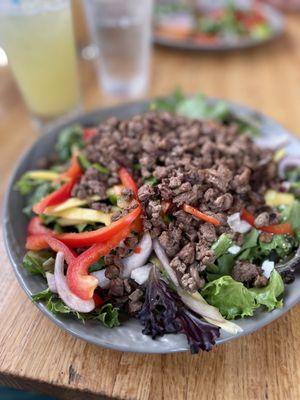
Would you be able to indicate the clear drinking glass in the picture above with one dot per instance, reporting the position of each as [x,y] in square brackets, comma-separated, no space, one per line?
[37,36]
[122,31]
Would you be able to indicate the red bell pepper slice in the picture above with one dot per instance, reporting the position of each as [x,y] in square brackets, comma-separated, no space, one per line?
[85,239]
[88,133]
[248,217]
[44,241]
[200,215]
[57,197]
[98,300]
[36,227]
[56,245]
[37,242]
[276,229]
[74,170]
[79,281]
[128,181]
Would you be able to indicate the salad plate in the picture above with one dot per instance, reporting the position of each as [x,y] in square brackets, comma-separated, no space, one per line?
[180,28]
[127,336]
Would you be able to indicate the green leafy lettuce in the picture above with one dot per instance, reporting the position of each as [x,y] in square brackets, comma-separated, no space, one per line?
[38,262]
[70,138]
[234,300]
[221,246]
[268,295]
[283,245]
[223,267]
[109,316]
[192,107]
[198,106]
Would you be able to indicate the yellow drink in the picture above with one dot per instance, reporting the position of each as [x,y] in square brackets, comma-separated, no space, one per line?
[39,43]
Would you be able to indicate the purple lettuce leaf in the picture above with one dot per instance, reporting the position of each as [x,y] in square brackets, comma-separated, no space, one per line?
[163,312]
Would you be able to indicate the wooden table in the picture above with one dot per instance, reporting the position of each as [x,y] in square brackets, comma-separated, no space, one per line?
[35,354]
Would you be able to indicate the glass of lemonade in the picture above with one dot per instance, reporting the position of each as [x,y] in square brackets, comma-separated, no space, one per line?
[37,36]
[122,31]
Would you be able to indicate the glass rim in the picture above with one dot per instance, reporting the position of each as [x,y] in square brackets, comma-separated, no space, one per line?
[29,7]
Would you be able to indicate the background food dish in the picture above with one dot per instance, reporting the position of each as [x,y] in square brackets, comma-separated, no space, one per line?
[273,17]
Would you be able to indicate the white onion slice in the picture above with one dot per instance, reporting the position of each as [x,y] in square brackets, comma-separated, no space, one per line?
[161,255]
[136,260]
[234,249]
[103,282]
[51,282]
[195,301]
[267,267]
[238,225]
[64,292]
[141,274]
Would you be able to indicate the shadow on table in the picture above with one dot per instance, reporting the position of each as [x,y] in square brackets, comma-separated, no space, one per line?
[14,394]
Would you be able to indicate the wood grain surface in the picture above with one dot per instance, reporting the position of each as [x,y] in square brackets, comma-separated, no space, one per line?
[35,354]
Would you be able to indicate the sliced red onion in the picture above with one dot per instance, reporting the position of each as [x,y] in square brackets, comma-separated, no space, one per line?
[69,298]
[238,225]
[103,282]
[288,162]
[136,260]
[51,282]
[141,274]
[161,255]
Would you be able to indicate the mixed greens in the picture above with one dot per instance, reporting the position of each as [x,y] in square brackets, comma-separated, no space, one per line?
[69,241]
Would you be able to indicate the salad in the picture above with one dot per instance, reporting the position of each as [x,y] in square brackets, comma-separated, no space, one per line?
[228,23]
[175,217]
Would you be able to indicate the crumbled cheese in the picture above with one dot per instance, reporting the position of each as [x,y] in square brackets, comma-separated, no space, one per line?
[234,249]
[141,274]
[238,225]
[267,267]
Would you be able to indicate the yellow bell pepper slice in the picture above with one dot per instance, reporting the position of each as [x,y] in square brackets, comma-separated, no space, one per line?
[43,175]
[84,215]
[274,199]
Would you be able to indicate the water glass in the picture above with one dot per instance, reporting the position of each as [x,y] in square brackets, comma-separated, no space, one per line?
[122,31]
[37,36]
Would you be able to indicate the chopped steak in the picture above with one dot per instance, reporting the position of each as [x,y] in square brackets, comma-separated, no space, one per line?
[205,164]
[246,272]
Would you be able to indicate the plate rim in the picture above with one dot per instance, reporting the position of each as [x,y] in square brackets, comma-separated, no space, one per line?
[63,324]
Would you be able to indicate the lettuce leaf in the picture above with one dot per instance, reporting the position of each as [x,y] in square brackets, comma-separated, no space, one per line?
[109,316]
[232,298]
[268,295]
[69,139]
[283,245]
[224,267]
[38,262]
[221,246]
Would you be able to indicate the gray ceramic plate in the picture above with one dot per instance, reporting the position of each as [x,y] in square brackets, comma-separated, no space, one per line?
[127,337]
[273,16]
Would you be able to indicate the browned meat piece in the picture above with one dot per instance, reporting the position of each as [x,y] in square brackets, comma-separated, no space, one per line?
[112,271]
[116,288]
[263,219]
[260,281]
[266,237]
[208,232]
[187,253]
[244,271]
